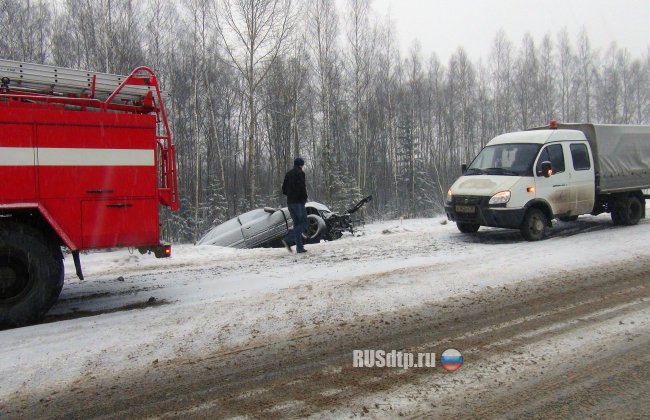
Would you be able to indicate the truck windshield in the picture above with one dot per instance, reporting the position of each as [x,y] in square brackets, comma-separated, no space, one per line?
[505,159]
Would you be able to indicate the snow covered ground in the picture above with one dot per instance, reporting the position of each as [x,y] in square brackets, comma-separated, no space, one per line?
[134,310]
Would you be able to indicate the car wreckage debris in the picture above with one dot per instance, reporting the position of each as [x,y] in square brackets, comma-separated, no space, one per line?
[267,226]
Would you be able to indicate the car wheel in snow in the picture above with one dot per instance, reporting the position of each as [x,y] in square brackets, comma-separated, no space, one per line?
[534,226]
[467,227]
[315,228]
[30,275]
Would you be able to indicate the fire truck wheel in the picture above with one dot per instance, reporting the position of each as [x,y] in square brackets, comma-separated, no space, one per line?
[30,275]
[59,284]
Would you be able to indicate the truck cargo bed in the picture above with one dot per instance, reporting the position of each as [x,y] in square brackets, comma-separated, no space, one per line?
[621,155]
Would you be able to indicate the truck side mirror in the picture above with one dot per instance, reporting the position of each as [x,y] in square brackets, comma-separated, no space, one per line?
[547,169]
[463,168]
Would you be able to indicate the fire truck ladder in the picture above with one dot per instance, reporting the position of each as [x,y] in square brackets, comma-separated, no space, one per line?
[136,93]
[60,81]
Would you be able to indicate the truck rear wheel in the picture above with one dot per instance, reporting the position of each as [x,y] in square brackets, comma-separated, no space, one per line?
[534,226]
[31,276]
[467,227]
[628,211]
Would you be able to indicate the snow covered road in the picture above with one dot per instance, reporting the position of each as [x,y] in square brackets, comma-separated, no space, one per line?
[216,331]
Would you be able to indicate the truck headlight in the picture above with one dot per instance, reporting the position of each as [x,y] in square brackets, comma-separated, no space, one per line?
[449,195]
[500,198]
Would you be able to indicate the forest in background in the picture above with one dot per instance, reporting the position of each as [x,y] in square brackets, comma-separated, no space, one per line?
[254,83]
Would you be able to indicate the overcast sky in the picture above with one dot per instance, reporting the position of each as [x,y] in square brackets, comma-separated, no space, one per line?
[443,25]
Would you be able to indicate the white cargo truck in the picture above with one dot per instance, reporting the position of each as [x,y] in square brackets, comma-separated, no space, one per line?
[524,180]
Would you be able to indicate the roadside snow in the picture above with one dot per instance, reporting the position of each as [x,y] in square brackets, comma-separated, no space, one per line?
[134,309]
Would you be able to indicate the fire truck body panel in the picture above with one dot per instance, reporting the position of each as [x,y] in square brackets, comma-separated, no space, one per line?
[95,173]
[17,162]
[86,162]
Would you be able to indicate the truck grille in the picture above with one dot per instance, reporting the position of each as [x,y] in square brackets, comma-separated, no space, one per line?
[467,207]
[471,200]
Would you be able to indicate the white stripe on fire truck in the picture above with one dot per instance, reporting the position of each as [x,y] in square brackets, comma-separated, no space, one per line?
[53,156]
[16,156]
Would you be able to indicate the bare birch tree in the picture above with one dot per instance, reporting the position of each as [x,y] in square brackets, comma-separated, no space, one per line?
[323,31]
[361,42]
[547,89]
[501,66]
[566,64]
[253,34]
[586,61]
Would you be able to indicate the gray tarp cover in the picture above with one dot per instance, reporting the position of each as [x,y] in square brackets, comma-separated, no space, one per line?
[622,154]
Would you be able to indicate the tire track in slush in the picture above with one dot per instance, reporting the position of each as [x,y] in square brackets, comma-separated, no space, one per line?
[311,371]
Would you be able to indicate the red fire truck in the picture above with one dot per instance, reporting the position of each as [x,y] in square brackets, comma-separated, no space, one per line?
[86,159]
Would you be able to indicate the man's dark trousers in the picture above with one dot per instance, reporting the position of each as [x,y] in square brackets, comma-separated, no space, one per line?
[299,216]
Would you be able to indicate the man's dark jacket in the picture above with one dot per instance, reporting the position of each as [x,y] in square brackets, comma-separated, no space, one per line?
[294,186]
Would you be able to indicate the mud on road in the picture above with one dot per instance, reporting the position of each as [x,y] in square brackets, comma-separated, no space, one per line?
[570,344]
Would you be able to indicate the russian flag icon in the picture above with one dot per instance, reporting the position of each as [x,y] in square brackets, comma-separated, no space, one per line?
[451,359]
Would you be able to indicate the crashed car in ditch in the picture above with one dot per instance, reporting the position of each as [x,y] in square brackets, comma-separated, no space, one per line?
[266,227]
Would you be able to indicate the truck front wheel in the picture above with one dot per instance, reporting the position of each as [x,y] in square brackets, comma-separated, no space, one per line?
[534,226]
[467,227]
[31,275]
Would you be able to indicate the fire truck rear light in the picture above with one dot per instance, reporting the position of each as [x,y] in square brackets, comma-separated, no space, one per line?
[163,251]
[160,251]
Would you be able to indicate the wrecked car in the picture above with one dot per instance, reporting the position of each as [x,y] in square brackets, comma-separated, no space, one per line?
[267,226]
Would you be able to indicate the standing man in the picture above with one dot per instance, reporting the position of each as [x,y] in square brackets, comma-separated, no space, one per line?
[295,188]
